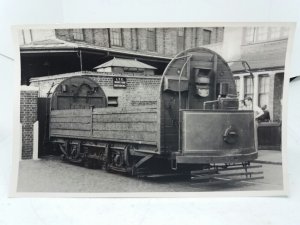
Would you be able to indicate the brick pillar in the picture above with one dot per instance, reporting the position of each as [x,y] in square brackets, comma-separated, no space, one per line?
[28,116]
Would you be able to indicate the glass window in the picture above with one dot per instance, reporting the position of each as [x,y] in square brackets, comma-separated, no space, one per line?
[237,85]
[275,32]
[151,39]
[180,32]
[78,34]
[116,37]
[136,36]
[263,91]
[261,33]
[248,87]
[220,34]
[206,37]
[180,39]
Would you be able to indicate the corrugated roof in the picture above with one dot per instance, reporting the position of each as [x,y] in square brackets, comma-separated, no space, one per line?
[58,44]
[129,63]
[48,43]
[258,64]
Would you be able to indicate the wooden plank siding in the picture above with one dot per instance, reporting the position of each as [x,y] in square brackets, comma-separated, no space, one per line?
[134,124]
[128,126]
[129,136]
[70,112]
[124,118]
[71,122]
[69,133]
[137,124]
[71,126]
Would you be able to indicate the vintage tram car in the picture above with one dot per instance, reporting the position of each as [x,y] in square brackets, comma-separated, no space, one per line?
[194,124]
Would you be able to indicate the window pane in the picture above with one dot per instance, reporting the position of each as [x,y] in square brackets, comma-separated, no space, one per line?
[261,33]
[180,39]
[220,34]
[206,37]
[180,32]
[78,34]
[116,37]
[151,39]
[263,89]
[237,85]
[248,87]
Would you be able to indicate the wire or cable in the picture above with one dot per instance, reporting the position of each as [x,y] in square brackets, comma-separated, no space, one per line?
[5,56]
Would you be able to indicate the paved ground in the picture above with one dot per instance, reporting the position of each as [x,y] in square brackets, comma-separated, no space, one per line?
[269,157]
[53,175]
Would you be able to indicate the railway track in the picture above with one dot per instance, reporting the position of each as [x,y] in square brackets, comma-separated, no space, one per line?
[217,174]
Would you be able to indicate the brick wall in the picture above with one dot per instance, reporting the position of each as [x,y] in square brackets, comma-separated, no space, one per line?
[89,36]
[140,91]
[101,37]
[127,43]
[265,55]
[170,47]
[166,38]
[28,116]
[160,47]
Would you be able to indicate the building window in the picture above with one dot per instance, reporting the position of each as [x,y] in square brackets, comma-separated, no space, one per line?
[206,37]
[249,35]
[198,37]
[112,101]
[275,33]
[78,34]
[219,34]
[151,39]
[180,39]
[284,32]
[263,91]
[136,37]
[116,36]
[261,34]
[237,85]
[248,87]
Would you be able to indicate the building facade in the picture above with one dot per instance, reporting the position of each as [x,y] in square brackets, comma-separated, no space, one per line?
[264,49]
[48,52]
[153,41]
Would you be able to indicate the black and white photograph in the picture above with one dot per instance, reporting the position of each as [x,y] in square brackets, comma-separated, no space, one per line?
[153,110]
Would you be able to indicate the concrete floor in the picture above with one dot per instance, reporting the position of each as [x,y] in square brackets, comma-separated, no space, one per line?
[53,175]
